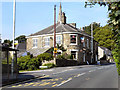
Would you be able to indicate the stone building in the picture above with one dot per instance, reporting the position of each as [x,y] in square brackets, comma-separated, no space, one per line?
[76,42]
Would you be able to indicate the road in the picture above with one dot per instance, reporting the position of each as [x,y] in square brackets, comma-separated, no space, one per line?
[75,77]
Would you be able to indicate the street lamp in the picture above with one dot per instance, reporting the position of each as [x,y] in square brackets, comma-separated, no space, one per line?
[12,64]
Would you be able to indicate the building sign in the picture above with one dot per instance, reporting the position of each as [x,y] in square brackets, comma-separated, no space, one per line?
[73,38]
[82,39]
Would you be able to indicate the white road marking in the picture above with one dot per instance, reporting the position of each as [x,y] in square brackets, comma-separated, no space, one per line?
[99,68]
[92,70]
[80,74]
[64,82]
[63,71]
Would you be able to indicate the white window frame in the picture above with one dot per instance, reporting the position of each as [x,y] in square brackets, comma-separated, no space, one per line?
[76,39]
[36,42]
[47,42]
[76,53]
[58,40]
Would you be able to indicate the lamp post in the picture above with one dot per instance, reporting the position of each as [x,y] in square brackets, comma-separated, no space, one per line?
[12,64]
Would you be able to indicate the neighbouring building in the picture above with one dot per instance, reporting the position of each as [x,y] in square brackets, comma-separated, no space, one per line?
[103,51]
[76,42]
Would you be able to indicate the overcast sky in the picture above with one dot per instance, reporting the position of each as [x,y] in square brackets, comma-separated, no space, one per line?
[32,17]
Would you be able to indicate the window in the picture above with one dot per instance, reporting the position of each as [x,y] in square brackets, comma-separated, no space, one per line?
[84,56]
[73,53]
[83,44]
[58,40]
[73,39]
[35,43]
[47,41]
[87,43]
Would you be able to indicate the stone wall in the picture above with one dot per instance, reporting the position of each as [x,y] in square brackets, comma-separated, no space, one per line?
[64,62]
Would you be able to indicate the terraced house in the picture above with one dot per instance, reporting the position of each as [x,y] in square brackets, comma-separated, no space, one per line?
[76,42]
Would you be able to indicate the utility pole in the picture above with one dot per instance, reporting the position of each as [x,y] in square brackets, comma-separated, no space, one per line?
[12,64]
[54,34]
[92,41]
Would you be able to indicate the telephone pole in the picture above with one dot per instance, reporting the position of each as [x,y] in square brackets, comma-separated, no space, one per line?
[54,34]
[12,64]
[92,41]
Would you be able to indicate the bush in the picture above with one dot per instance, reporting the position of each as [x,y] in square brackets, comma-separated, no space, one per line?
[50,65]
[60,57]
[45,56]
[28,63]
[64,56]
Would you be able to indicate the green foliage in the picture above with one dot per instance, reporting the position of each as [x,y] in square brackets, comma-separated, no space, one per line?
[64,56]
[88,28]
[61,47]
[8,42]
[21,38]
[28,63]
[114,21]
[50,65]
[60,57]
[104,36]
[45,56]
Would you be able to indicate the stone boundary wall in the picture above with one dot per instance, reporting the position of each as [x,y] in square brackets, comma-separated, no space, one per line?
[64,62]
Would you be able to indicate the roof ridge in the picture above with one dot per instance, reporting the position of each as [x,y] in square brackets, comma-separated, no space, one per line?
[56,27]
[72,27]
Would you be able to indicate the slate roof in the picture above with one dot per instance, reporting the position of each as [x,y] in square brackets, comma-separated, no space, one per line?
[38,51]
[59,28]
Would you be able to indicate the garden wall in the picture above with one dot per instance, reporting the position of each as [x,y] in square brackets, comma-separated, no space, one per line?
[64,62]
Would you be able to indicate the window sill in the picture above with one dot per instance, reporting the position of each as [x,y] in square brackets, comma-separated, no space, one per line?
[46,46]
[34,47]
[73,44]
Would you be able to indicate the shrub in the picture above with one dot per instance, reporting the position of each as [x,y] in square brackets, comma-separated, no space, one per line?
[28,63]
[45,56]
[60,57]
[64,56]
[50,65]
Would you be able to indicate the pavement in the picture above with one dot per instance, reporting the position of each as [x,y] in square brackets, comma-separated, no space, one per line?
[91,76]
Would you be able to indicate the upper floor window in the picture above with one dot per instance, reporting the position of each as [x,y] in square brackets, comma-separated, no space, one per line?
[35,41]
[73,39]
[58,40]
[47,41]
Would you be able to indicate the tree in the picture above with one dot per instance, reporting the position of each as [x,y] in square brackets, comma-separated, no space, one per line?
[8,42]
[88,28]
[104,36]
[21,38]
[114,21]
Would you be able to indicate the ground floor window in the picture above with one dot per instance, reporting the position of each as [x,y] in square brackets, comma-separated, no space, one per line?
[74,54]
[83,56]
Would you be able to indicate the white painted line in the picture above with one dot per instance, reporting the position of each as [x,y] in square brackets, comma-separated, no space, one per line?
[92,70]
[64,82]
[63,71]
[99,68]
[80,74]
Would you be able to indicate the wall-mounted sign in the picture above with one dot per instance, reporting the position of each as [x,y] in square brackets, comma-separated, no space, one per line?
[82,39]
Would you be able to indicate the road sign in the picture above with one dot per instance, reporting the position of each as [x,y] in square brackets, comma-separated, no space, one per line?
[55,50]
